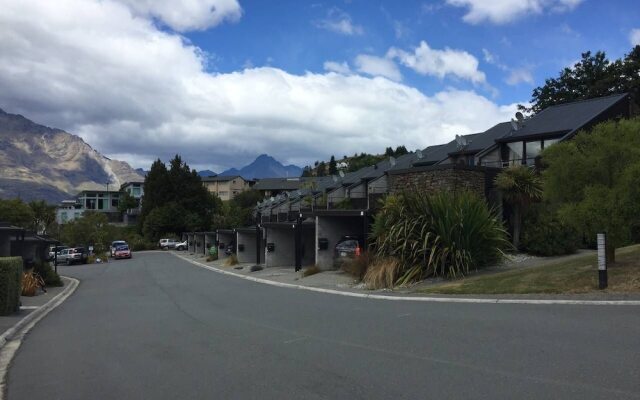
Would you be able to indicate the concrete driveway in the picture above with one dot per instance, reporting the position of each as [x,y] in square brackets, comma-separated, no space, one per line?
[158,327]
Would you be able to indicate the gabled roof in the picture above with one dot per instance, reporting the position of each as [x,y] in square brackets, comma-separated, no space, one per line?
[281,183]
[480,141]
[219,178]
[564,118]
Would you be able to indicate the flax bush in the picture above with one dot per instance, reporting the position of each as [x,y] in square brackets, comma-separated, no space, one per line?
[442,234]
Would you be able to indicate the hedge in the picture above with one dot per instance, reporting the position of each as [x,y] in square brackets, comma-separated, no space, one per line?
[10,284]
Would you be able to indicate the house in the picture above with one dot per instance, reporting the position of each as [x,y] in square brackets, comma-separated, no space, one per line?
[68,210]
[135,190]
[270,187]
[17,242]
[302,220]
[226,187]
[104,201]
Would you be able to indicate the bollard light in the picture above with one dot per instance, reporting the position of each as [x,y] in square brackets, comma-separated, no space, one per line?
[602,261]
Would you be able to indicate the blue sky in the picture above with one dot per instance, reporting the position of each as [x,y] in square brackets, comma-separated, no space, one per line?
[286,34]
[222,81]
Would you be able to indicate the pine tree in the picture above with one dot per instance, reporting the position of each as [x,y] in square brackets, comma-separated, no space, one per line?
[322,169]
[333,169]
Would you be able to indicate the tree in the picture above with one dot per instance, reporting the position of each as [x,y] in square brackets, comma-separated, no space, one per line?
[594,180]
[306,172]
[44,215]
[389,152]
[322,169]
[17,213]
[400,150]
[177,199]
[92,229]
[126,202]
[520,186]
[592,76]
[333,169]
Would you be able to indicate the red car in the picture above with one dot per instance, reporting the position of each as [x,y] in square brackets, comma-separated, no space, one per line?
[122,252]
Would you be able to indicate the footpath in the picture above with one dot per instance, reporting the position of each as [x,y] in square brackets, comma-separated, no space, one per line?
[341,283]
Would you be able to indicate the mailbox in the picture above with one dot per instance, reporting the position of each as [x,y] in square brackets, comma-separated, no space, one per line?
[221,245]
[271,247]
[323,244]
[240,247]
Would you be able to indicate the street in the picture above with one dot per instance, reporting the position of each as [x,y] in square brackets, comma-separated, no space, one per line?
[159,327]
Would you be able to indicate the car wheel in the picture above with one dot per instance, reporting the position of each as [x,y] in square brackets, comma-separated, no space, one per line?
[68,262]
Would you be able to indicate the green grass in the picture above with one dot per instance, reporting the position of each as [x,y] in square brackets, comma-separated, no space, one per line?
[579,275]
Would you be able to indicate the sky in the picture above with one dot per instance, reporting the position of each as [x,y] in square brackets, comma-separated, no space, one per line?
[222,81]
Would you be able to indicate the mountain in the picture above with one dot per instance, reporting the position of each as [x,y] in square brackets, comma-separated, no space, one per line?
[206,172]
[265,166]
[38,162]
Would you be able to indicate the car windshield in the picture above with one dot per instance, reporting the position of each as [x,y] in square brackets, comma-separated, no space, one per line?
[122,248]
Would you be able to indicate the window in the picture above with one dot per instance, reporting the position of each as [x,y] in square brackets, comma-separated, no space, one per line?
[100,204]
[549,142]
[514,152]
[114,203]
[533,151]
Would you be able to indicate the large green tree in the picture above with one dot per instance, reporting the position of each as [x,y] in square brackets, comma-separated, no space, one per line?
[175,200]
[333,169]
[16,212]
[595,181]
[44,215]
[593,76]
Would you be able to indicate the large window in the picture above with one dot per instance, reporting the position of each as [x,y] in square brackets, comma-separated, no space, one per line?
[515,152]
[533,151]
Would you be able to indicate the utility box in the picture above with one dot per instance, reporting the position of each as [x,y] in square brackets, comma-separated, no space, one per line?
[271,247]
[221,245]
[240,247]
[323,244]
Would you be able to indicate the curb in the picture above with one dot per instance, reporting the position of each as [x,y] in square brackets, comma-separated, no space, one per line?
[414,298]
[11,339]
[39,313]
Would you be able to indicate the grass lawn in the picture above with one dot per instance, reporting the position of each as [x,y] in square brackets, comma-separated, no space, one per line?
[579,275]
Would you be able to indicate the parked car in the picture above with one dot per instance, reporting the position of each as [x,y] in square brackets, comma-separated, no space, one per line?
[182,245]
[73,255]
[115,244]
[55,249]
[165,244]
[347,248]
[122,251]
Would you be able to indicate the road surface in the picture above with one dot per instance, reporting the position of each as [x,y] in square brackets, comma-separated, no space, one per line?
[158,327]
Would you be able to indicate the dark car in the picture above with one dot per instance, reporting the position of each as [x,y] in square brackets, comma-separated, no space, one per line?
[347,248]
[73,255]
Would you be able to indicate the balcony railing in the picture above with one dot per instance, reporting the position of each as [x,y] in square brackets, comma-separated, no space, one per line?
[508,163]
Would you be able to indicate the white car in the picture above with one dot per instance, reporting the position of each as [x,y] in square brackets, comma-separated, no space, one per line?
[182,245]
[165,244]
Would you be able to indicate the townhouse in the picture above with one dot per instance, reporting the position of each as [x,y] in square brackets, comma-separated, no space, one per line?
[301,226]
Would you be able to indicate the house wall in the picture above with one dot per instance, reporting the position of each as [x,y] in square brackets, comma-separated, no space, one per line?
[209,240]
[358,192]
[248,239]
[431,180]
[334,228]
[5,244]
[308,245]
[192,242]
[225,239]
[284,240]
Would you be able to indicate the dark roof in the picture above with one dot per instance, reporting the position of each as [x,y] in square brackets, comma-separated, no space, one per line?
[480,141]
[219,178]
[564,118]
[280,183]
[6,227]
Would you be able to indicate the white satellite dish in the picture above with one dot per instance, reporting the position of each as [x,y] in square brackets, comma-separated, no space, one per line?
[419,154]
[514,125]
[519,116]
[341,173]
[392,161]
[461,141]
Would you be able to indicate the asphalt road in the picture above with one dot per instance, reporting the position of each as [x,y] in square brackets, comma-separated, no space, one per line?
[158,327]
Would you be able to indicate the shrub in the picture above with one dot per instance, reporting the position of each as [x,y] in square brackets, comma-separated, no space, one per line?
[231,260]
[357,266]
[442,234]
[546,235]
[10,284]
[211,257]
[50,277]
[382,273]
[311,271]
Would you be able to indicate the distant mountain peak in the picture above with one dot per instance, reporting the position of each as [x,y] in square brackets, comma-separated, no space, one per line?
[265,166]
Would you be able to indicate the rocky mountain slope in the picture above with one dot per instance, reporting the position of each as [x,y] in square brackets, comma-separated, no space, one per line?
[265,166]
[38,162]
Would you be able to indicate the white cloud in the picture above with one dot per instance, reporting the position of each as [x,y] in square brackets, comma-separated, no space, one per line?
[634,37]
[505,11]
[340,68]
[340,22]
[519,75]
[136,92]
[377,66]
[440,63]
[186,15]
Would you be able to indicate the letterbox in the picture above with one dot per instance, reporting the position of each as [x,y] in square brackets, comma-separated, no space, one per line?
[323,243]
[271,247]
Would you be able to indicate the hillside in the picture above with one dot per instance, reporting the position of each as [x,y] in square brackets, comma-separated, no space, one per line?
[38,162]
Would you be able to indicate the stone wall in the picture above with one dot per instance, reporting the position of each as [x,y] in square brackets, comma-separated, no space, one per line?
[451,178]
